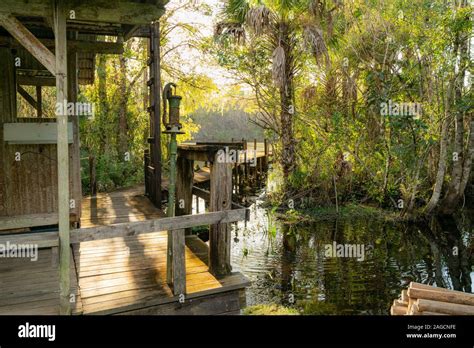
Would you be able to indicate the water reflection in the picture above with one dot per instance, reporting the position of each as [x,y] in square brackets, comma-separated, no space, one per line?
[289,265]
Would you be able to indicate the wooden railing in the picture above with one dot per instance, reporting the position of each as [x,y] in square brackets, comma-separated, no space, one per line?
[174,225]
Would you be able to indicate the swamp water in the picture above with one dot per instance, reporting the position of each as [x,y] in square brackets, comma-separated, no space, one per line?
[299,266]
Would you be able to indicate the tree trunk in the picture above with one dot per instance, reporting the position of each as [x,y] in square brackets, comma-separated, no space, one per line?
[122,111]
[466,173]
[432,204]
[287,110]
[454,193]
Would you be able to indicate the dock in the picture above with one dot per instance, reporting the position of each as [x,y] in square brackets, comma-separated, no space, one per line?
[120,275]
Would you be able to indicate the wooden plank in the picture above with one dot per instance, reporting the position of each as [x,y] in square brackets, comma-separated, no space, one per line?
[208,305]
[73,45]
[26,80]
[28,40]
[163,224]
[231,282]
[34,133]
[219,235]
[41,240]
[122,12]
[31,220]
[179,264]
[63,156]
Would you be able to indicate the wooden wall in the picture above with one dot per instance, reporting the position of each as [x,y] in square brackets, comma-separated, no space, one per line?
[28,186]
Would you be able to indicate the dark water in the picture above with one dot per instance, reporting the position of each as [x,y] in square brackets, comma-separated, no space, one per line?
[293,266]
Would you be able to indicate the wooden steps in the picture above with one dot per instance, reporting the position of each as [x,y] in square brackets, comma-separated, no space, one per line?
[422,299]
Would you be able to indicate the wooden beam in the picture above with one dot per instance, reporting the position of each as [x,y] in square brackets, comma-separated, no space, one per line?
[25,80]
[27,97]
[63,156]
[41,240]
[80,46]
[163,224]
[21,221]
[29,41]
[122,12]
[155,116]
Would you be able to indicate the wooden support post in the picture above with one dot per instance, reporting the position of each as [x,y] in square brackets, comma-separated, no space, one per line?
[63,157]
[219,236]
[155,121]
[39,102]
[184,188]
[178,262]
[197,205]
[75,156]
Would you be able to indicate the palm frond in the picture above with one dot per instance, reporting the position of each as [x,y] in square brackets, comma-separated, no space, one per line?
[258,18]
[314,41]
[236,10]
[230,29]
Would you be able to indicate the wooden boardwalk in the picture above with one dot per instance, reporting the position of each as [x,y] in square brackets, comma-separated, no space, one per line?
[119,206]
[122,275]
[128,275]
[32,287]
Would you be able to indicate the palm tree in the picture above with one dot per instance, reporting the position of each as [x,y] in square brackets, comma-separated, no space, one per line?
[288,28]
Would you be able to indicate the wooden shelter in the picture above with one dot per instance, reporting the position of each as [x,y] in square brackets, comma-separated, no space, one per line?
[104,265]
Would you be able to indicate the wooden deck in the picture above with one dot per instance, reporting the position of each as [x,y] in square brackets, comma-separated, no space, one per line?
[32,287]
[124,275]
[119,206]
[119,276]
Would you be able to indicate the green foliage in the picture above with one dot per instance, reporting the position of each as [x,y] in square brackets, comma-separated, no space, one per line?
[269,309]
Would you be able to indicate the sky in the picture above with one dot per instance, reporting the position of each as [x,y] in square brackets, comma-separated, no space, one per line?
[192,59]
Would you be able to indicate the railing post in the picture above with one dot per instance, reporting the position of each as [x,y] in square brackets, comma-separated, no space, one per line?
[219,236]
[184,187]
[178,264]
